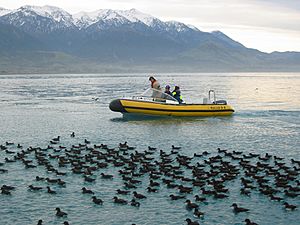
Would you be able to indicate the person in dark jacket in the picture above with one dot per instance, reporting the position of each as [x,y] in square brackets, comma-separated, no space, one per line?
[177,95]
[167,90]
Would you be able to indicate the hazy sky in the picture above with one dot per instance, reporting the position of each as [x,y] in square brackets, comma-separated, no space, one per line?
[267,25]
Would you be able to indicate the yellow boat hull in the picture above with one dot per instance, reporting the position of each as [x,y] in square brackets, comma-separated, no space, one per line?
[164,109]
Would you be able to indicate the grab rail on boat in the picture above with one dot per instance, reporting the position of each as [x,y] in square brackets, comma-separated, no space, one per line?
[210,93]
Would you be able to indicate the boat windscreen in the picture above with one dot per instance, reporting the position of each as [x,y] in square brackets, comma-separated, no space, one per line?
[154,93]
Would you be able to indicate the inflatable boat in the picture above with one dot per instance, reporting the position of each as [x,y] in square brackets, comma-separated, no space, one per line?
[155,102]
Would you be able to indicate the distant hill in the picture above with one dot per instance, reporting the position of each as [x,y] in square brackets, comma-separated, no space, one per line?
[50,40]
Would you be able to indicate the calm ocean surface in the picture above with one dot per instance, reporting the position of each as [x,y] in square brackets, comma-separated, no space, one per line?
[36,108]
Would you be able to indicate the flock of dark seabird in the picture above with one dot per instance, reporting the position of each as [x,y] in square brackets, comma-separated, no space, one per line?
[204,175]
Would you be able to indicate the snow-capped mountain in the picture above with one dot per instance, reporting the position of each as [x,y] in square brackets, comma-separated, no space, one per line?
[107,18]
[40,19]
[51,12]
[50,18]
[85,19]
[176,26]
[4,11]
[51,21]
[121,36]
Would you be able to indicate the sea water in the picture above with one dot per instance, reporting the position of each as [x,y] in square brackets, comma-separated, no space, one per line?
[36,108]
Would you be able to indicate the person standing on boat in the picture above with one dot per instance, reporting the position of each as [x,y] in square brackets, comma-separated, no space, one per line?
[177,95]
[157,94]
[154,83]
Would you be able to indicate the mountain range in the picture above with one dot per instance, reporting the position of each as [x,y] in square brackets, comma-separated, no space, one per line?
[48,39]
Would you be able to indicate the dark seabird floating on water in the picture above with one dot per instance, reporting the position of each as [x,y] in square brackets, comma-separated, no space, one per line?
[237,209]
[190,222]
[97,201]
[60,213]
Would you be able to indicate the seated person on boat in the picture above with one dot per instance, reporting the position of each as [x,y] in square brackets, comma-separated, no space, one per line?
[177,94]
